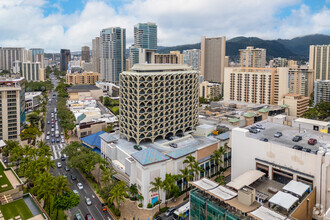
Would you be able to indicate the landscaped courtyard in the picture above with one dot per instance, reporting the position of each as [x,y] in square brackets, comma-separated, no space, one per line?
[4,182]
[14,209]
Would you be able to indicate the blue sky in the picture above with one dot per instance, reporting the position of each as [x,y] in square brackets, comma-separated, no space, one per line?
[56,24]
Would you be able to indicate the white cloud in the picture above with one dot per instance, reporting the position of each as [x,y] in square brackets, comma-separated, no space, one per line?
[22,22]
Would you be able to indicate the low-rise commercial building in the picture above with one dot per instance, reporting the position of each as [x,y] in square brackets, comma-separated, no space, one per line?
[108,88]
[154,160]
[32,100]
[283,160]
[82,78]
[295,104]
[80,92]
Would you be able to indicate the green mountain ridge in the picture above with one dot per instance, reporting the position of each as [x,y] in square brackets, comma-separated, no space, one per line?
[296,48]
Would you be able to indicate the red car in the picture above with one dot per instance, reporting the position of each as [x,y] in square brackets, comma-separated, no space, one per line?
[88,217]
[312,141]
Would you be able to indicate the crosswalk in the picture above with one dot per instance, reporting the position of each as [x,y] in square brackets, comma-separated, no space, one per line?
[57,149]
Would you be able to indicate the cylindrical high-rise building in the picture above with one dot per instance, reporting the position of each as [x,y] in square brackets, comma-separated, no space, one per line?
[157,101]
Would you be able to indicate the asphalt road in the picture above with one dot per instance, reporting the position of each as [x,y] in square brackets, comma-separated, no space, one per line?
[95,209]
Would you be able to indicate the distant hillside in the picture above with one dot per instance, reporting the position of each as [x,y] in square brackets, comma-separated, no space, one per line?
[296,48]
[300,45]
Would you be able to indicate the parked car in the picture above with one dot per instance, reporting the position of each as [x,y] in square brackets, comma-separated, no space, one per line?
[67,169]
[297,138]
[278,134]
[312,141]
[260,126]
[63,158]
[264,139]
[88,201]
[88,217]
[53,140]
[174,145]
[297,147]
[306,150]
[170,138]
[47,137]
[137,147]
[80,186]
[253,130]
[73,177]
[59,165]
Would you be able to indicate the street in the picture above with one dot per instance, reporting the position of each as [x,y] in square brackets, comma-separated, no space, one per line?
[95,209]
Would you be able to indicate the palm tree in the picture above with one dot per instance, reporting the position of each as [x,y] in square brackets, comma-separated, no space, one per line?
[197,169]
[107,176]
[44,149]
[190,160]
[101,162]
[117,194]
[217,158]
[187,177]
[61,185]
[10,145]
[133,190]
[44,188]
[157,186]
[169,184]
[17,154]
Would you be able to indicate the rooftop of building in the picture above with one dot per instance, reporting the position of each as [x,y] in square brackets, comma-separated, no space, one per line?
[82,88]
[184,145]
[288,133]
[275,199]
[159,67]
[31,94]
[93,140]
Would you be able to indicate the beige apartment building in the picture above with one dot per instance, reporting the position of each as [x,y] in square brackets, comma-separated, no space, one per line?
[174,57]
[213,52]
[12,102]
[319,61]
[255,85]
[158,101]
[253,57]
[82,78]
[296,104]
[88,128]
[209,90]
[300,81]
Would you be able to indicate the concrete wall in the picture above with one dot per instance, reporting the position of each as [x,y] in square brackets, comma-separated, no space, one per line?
[305,209]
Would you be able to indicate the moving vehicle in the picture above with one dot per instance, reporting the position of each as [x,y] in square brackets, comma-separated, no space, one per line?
[67,169]
[297,138]
[63,158]
[77,217]
[170,211]
[62,141]
[57,140]
[183,210]
[80,186]
[88,217]
[73,177]
[75,192]
[53,140]
[88,201]
[278,134]
[312,141]
[48,122]
[48,132]
[59,165]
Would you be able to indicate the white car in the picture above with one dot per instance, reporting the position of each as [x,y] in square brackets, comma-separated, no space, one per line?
[88,201]
[47,137]
[53,129]
[59,165]
[76,192]
[80,186]
[62,141]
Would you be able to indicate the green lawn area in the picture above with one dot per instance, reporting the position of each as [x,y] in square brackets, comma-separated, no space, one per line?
[4,180]
[115,110]
[17,208]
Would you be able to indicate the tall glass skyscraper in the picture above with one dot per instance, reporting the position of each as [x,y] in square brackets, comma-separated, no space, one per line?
[145,36]
[112,53]
[145,43]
